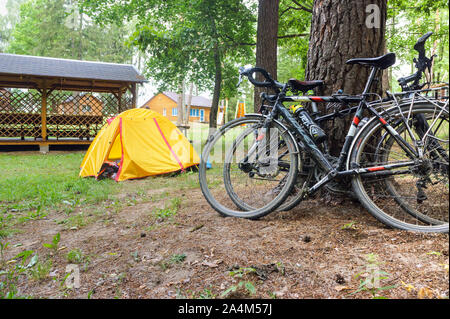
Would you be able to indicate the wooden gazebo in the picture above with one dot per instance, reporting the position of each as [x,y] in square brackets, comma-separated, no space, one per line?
[46,101]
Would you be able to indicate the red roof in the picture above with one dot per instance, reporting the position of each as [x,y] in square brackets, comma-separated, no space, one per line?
[196,100]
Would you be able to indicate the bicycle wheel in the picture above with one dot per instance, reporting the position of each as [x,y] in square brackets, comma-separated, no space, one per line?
[416,197]
[282,158]
[249,175]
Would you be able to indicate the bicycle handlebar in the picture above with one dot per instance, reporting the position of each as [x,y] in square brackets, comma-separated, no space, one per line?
[421,64]
[249,73]
[420,45]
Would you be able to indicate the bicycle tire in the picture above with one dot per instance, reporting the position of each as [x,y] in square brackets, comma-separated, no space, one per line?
[247,212]
[390,217]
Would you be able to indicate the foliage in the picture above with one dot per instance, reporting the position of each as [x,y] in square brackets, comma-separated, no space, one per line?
[351,225]
[168,211]
[293,40]
[179,37]
[76,256]
[54,244]
[8,21]
[205,294]
[197,41]
[407,22]
[245,285]
[172,260]
[371,278]
[9,277]
[59,28]
[41,270]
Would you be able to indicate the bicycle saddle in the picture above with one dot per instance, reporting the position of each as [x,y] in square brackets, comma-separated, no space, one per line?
[304,86]
[381,62]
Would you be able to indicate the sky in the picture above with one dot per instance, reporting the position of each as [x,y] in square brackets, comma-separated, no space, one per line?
[2,7]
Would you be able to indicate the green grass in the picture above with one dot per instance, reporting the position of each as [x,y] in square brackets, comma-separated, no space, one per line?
[28,181]
[32,186]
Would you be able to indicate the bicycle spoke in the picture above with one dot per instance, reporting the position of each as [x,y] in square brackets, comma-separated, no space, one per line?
[412,197]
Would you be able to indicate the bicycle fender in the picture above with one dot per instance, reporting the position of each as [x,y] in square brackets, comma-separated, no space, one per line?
[373,119]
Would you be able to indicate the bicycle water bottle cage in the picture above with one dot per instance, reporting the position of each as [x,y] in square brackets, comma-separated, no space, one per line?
[304,86]
[381,62]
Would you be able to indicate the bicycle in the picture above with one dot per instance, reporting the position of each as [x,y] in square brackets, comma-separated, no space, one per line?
[415,89]
[260,135]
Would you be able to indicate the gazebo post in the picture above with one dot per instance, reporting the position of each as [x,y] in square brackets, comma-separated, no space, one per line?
[43,147]
[134,95]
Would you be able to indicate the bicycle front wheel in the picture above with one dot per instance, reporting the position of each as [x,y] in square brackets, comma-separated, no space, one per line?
[412,197]
[247,170]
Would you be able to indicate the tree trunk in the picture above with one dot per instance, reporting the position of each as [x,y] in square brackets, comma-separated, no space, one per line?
[341,30]
[180,105]
[216,94]
[266,42]
[189,104]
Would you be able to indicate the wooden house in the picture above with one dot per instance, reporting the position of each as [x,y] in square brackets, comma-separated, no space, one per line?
[85,104]
[166,103]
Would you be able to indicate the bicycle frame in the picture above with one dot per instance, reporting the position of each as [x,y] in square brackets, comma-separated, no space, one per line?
[318,156]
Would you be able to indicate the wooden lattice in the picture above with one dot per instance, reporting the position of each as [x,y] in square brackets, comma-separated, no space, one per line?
[20,113]
[68,114]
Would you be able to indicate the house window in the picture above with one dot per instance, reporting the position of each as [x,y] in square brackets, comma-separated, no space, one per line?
[86,108]
[194,112]
[164,111]
[174,111]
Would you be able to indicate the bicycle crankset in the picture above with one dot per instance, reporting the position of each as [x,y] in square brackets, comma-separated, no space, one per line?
[341,186]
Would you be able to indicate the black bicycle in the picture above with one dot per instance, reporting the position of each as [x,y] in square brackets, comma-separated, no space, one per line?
[397,160]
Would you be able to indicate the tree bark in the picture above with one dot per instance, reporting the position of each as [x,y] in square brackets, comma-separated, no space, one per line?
[266,42]
[180,105]
[339,32]
[217,88]
[189,104]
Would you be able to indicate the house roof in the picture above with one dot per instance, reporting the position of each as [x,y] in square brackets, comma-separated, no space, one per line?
[82,96]
[196,100]
[71,69]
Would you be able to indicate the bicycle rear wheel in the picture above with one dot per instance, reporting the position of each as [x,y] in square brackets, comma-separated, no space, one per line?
[414,197]
[250,175]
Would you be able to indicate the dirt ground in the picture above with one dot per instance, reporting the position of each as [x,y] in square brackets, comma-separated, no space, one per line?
[314,251]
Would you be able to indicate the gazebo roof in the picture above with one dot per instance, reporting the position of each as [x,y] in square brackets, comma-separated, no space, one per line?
[30,71]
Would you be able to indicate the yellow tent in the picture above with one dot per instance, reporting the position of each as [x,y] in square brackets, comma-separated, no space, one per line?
[145,142]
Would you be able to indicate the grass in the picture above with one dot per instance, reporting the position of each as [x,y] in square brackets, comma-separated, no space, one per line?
[28,181]
[32,186]
[172,260]
[36,186]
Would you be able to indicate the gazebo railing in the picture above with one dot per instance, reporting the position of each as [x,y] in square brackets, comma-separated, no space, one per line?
[66,114]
